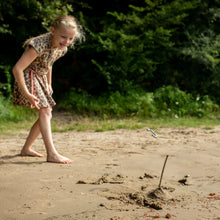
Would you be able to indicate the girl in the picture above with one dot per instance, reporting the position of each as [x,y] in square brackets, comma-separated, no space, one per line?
[33,73]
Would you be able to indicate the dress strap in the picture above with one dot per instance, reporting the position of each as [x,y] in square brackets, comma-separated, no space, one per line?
[32,86]
[32,82]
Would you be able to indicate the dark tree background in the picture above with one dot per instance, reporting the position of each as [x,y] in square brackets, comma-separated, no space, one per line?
[129,44]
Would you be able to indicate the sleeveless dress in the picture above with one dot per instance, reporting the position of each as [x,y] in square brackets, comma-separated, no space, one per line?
[35,74]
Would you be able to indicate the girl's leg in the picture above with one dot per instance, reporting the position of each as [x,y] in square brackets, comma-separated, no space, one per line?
[34,133]
[45,128]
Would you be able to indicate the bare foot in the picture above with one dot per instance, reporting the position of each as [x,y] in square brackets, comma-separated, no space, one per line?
[30,153]
[57,158]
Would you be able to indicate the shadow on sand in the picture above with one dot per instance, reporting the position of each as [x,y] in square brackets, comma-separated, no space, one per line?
[3,160]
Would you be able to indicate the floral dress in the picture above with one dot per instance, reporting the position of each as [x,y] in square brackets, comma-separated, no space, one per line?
[35,74]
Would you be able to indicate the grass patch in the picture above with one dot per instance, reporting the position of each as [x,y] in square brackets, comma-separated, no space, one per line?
[66,122]
[63,122]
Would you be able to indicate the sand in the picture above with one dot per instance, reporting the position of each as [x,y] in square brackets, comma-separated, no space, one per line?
[114,175]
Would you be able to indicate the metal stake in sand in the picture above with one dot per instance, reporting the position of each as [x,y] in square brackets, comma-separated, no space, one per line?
[161,176]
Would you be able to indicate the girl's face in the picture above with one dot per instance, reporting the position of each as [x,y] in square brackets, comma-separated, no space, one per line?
[62,36]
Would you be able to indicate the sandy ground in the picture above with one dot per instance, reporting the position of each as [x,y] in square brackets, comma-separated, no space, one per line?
[115,175]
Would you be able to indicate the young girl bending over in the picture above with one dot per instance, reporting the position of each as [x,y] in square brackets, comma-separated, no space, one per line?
[33,73]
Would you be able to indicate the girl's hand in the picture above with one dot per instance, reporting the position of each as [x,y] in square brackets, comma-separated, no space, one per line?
[50,89]
[33,100]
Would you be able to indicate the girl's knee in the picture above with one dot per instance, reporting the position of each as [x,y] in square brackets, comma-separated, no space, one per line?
[45,112]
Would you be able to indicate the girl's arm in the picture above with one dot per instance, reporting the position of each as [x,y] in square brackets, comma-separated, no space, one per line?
[49,80]
[26,59]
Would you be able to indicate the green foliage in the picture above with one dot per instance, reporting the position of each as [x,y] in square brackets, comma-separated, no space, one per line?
[115,104]
[4,29]
[137,42]
[198,52]
[205,48]
[30,13]
[130,44]
[5,108]
[8,112]
[154,43]
[5,85]
[176,103]
[166,101]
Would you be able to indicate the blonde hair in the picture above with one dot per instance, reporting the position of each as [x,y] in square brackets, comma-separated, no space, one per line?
[70,21]
[67,21]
